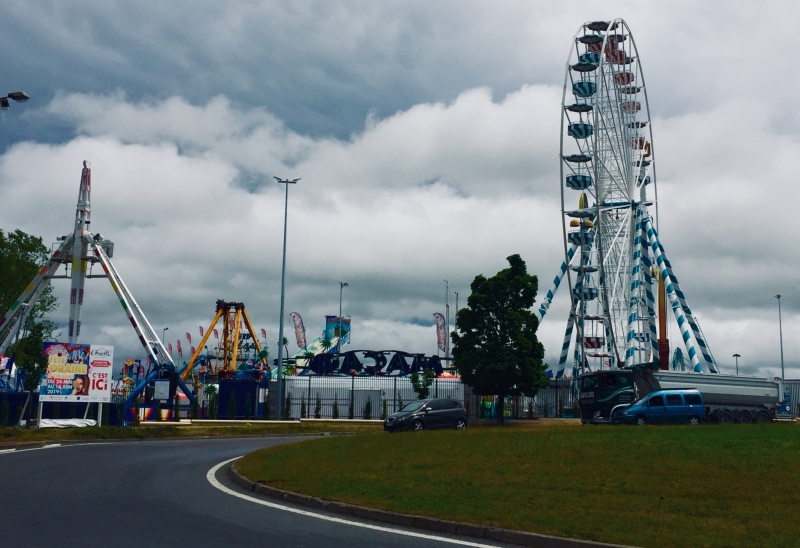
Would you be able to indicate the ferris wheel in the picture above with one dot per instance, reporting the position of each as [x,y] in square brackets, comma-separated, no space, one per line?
[609,202]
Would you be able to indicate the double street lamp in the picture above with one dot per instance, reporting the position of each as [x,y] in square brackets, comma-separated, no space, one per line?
[18,96]
[279,375]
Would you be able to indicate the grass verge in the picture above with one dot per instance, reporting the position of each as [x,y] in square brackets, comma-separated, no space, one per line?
[655,486]
[22,435]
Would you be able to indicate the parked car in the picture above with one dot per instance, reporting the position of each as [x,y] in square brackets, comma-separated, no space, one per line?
[421,414]
[664,407]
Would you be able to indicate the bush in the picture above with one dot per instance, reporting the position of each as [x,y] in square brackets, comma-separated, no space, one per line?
[335,413]
[303,406]
[232,406]
[384,407]
[287,406]
[366,413]
[351,407]
[399,401]
[318,407]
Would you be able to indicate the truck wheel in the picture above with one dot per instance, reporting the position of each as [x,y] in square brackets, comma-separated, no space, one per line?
[743,417]
[694,420]
[640,420]
[725,417]
[762,417]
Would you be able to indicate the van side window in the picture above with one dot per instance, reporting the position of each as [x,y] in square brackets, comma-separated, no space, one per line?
[674,399]
[693,399]
[656,401]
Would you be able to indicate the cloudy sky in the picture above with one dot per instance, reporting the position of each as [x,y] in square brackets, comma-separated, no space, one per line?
[426,135]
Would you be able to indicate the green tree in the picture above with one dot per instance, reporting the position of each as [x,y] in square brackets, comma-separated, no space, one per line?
[303,406]
[384,406]
[326,344]
[318,407]
[495,349]
[287,407]
[335,411]
[422,384]
[351,410]
[21,257]
[366,413]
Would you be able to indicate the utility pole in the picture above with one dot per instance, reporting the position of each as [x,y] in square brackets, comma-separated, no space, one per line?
[279,375]
[736,357]
[447,319]
[780,330]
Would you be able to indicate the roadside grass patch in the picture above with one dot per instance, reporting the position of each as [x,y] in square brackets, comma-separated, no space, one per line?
[21,435]
[654,486]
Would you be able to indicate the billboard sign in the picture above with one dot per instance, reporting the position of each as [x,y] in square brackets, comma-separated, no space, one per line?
[77,372]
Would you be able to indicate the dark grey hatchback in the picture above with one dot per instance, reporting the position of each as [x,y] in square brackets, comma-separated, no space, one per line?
[421,414]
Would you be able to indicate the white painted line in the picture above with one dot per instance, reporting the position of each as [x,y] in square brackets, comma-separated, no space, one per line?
[51,446]
[7,450]
[211,476]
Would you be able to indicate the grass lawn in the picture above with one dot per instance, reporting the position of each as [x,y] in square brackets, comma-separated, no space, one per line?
[21,435]
[652,486]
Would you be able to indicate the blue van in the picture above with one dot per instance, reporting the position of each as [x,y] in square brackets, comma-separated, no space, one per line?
[664,407]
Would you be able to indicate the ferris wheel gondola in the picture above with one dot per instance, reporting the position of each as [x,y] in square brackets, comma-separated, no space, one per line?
[612,251]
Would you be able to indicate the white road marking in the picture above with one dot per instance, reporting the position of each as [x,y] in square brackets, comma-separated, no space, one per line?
[51,446]
[8,450]
[212,479]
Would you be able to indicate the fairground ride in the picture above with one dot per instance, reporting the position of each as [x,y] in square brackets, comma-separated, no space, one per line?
[613,255]
[78,252]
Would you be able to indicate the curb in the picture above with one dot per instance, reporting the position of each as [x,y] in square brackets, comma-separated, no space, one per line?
[417,522]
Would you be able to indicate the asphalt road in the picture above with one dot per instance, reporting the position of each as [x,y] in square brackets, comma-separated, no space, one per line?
[156,493]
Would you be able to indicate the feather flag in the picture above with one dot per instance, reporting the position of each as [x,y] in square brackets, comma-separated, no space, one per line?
[188,337]
[263,333]
[193,351]
[180,350]
[216,334]
[201,330]
[169,347]
[440,330]
[299,329]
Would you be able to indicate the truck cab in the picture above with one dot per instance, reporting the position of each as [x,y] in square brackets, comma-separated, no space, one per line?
[602,391]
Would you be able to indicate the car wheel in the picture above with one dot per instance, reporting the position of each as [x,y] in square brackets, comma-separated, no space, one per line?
[743,417]
[762,417]
[694,420]
[461,424]
[640,420]
[417,426]
[725,417]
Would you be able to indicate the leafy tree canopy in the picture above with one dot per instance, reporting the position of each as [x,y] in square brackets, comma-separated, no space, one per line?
[21,257]
[495,348]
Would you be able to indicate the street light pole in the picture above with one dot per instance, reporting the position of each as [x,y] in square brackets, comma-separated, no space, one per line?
[447,316]
[163,331]
[279,375]
[780,330]
[342,285]
[737,356]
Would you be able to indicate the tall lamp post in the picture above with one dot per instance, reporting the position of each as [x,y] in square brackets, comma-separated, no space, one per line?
[342,285]
[780,330]
[736,357]
[18,96]
[163,331]
[279,375]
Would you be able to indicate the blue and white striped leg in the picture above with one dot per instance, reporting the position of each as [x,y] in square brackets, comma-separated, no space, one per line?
[556,283]
[693,323]
[673,297]
[649,298]
[635,297]
[562,360]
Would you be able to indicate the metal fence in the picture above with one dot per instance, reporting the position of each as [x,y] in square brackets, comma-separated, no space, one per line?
[793,387]
[558,400]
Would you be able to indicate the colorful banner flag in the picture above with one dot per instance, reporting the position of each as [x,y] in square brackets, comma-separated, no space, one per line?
[299,329]
[216,334]
[441,335]
[169,347]
[263,333]
[201,330]
[180,350]
[193,350]
[188,337]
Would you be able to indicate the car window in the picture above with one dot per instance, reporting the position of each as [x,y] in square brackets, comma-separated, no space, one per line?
[450,404]
[693,399]
[435,405]
[588,382]
[656,401]
[674,399]
[413,406]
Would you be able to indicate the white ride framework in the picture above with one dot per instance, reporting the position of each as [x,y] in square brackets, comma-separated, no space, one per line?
[613,256]
[78,253]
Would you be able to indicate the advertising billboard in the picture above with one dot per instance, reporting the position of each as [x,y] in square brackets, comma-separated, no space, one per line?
[77,372]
